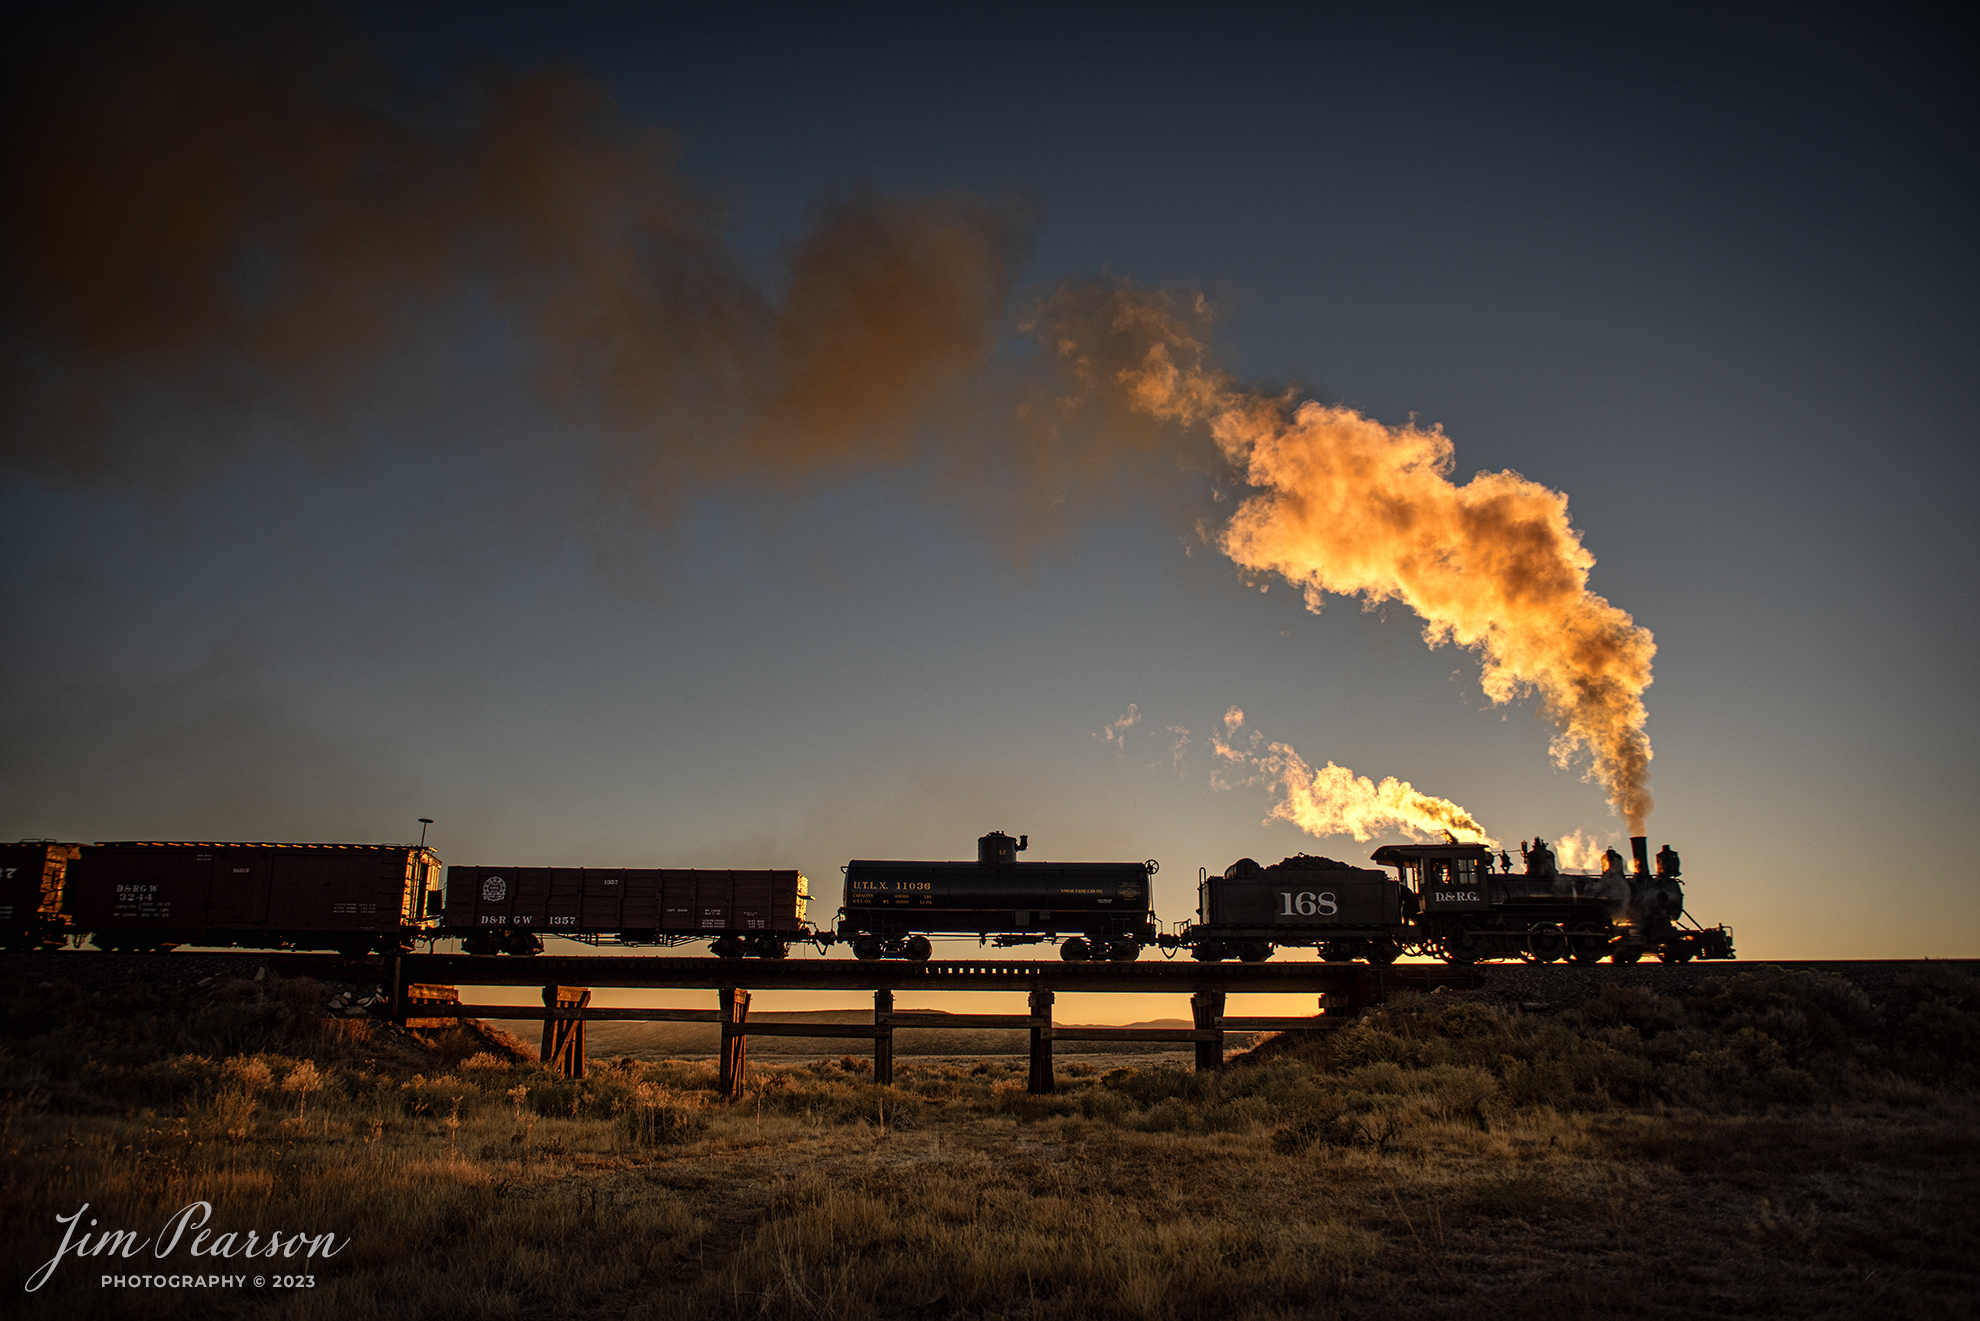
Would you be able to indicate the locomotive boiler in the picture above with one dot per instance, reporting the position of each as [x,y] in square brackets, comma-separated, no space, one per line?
[1097,910]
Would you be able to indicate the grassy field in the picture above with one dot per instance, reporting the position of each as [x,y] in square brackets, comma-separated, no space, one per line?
[1775,1143]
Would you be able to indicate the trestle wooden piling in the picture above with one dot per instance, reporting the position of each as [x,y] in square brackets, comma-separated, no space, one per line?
[883,1043]
[563,1036]
[1206,1008]
[1042,1081]
[734,1008]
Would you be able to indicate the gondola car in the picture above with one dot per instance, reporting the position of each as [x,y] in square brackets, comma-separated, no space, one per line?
[508,910]
[1095,910]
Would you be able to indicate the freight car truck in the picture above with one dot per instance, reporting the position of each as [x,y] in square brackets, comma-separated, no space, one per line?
[354,898]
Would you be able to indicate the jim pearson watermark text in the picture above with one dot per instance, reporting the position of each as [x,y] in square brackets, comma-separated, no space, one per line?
[122,1243]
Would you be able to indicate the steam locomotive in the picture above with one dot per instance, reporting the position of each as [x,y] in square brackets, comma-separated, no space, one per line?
[1443,901]
[1446,902]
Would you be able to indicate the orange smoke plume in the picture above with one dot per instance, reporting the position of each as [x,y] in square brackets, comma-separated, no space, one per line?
[223,212]
[1334,800]
[1336,502]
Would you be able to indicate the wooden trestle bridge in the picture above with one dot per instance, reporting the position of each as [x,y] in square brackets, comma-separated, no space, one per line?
[424,992]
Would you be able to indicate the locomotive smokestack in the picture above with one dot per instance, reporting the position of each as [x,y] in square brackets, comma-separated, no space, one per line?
[1640,846]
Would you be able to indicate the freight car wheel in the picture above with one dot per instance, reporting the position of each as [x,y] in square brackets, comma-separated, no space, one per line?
[1384,951]
[865,948]
[1124,951]
[918,949]
[1075,950]
[726,947]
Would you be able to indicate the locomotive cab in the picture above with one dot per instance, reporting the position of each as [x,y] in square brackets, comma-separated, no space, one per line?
[1446,878]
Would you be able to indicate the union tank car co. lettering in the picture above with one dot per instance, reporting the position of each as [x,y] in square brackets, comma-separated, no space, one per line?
[1451,901]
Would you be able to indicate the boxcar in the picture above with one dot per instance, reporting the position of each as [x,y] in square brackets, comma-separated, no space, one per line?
[33,875]
[348,897]
[508,910]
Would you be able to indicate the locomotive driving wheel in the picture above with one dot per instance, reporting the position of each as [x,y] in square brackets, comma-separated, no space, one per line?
[1464,947]
[1587,943]
[1546,944]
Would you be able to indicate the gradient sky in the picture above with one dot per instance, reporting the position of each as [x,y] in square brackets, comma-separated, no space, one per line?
[1713,279]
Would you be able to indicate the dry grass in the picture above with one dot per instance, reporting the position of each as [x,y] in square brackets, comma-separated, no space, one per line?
[1768,1148]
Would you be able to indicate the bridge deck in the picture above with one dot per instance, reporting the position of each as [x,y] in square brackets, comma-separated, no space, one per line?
[881,974]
